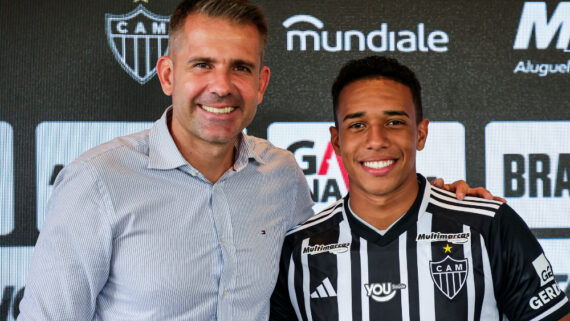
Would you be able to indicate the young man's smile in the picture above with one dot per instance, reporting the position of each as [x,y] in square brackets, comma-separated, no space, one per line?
[378,167]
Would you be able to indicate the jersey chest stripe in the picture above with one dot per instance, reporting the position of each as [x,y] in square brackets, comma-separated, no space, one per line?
[404,294]
[344,281]
[467,253]
[425,284]
[489,310]
[356,276]
[297,282]
[478,275]
[364,275]
[291,286]
[412,286]
[306,281]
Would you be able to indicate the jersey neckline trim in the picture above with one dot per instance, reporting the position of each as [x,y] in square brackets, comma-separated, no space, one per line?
[395,231]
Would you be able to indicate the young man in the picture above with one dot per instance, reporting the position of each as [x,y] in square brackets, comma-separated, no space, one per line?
[397,248]
[184,221]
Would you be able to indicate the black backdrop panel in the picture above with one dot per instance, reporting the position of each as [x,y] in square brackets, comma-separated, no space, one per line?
[495,77]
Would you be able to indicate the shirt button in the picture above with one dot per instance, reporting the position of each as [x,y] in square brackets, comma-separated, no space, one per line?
[193,173]
[224,293]
[215,189]
[223,240]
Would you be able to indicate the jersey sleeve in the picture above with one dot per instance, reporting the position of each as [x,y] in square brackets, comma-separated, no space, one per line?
[524,281]
[281,308]
[71,259]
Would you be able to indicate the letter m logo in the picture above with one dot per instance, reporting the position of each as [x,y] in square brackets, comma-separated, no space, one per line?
[534,18]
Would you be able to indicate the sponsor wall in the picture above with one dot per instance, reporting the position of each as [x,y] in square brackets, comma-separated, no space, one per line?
[495,77]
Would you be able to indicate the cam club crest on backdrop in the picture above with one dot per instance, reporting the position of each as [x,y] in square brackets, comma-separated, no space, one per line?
[137,39]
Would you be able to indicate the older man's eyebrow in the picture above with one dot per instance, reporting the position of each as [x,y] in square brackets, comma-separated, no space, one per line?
[209,60]
[194,60]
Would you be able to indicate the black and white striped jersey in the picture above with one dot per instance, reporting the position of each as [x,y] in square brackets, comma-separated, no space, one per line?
[443,260]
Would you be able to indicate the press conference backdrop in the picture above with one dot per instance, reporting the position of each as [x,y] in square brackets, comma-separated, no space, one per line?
[495,77]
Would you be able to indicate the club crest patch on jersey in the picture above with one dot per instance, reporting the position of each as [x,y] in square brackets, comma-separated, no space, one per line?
[137,39]
[449,275]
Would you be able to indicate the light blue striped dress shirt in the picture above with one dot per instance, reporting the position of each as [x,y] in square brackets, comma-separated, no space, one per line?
[134,232]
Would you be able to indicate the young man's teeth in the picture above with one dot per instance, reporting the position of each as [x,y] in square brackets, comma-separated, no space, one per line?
[378,164]
[225,110]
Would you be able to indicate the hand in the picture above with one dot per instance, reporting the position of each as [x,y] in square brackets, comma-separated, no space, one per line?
[461,189]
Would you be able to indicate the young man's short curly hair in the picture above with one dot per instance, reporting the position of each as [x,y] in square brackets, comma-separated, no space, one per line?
[377,67]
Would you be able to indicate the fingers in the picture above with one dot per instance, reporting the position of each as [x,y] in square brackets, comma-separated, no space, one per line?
[480,192]
[484,193]
[461,189]
[438,182]
[500,199]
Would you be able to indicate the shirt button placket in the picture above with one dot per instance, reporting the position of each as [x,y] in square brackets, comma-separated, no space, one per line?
[223,223]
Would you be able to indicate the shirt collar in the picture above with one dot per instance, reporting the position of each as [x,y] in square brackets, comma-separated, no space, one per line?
[164,154]
[246,150]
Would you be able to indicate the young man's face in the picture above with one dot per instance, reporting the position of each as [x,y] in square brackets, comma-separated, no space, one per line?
[377,136]
[215,77]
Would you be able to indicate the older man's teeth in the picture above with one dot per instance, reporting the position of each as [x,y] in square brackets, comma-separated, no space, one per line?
[378,164]
[225,110]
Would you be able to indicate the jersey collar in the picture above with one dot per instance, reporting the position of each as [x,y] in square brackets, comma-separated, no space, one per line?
[395,231]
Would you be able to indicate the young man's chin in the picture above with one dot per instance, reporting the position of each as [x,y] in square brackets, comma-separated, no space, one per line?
[385,185]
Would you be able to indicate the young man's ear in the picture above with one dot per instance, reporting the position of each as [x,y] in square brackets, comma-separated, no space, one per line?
[335,140]
[422,134]
[165,71]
